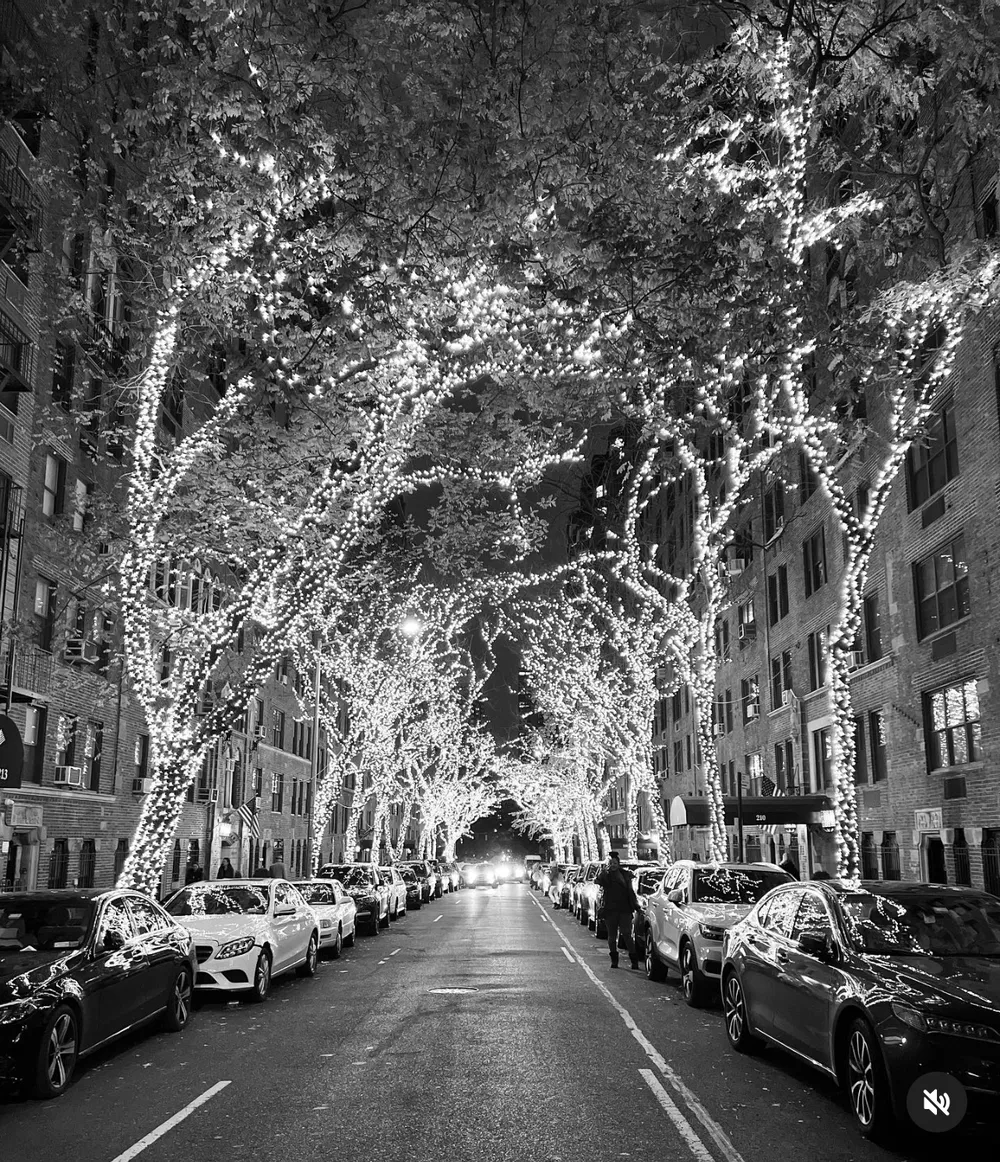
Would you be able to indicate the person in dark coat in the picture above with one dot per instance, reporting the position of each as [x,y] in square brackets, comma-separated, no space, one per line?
[226,870]
[788,865]
[194,874]
[261,873]
[619,902]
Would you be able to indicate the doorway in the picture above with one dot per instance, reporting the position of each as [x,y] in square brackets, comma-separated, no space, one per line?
[935,868]
[11,867]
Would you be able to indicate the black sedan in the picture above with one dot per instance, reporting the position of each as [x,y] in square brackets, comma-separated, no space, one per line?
[78,968]
[875,986]
[414,888]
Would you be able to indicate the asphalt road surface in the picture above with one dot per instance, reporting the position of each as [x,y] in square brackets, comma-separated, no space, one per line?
[546,1055]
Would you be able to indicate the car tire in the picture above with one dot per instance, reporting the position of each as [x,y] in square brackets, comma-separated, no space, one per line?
[655,968]
[57,1053]
[261,977]
[734,1009]
[178,1010]
[311,963]
[693,983]
[384,921]
[349,941]
[866,1081]
[395,913]
[338,944]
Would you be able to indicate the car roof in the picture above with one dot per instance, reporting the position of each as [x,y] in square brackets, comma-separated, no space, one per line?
[67,895]
[730,865]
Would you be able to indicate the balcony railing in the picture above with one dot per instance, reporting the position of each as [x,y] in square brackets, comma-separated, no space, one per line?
[107,344]
[23,205]
[17,357]
[32,669]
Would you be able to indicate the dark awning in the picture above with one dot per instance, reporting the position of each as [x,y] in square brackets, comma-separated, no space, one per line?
[758,810]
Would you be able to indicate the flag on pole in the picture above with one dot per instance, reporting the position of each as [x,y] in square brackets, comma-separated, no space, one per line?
[248,813]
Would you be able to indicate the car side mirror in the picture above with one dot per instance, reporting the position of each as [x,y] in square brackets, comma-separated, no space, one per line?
[285,910]
[821,945]
[112,941]
[676,896]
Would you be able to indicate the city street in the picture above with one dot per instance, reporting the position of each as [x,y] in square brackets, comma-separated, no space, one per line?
[551,1055]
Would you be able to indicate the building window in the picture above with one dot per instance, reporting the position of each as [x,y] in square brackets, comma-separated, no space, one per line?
[890,856]
[991,860]
[141,759]
[872,620]
[59,863]
[95,744]
[678,755]
[278,729]
[728,708]
[877,741]
[774,510]
[823,758]
[66,740]
[82,490]
[933,461]
[750,698]
[34,743]
[88,862]
[53,486]
[121,854]
[277,792]
[781,678]
[777,595]
[784,765]
[808,481]
[942,587]
[954,730]
[722,639]
[869,856]
[960,851]
[816,644]
[860,755]
[814,561]
[45,611]
[175,863]
[747,622]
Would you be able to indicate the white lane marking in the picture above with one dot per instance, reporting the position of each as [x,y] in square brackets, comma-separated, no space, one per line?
[169,1124]
[566,954]
[681,1124]
[436,918]
[712,1127]
[394,951]
[544,917]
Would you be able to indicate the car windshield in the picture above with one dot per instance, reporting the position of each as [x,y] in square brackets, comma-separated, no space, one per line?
[409,877]
[726,885]
[43,925]
[352,875]
[219,900]
[648,882]
[319,893]
[419,869]
[934,924]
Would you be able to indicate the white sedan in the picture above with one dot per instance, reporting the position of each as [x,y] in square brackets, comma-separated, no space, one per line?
[335,911]
[397,891]
[246,932]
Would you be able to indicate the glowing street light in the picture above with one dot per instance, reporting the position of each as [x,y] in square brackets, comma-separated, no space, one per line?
[411,626]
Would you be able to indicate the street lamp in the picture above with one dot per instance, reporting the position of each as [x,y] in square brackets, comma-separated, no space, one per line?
[410,626]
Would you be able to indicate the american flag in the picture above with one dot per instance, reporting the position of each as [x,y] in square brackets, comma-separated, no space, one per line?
[248,813]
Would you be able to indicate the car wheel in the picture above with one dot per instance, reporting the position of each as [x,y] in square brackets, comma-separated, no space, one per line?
[337,945]
[57,1053]
[655,968]
[178,1011]
[311,963]
[384,922]
[693,984]
[866,1081]
[734,1007]
[261,977]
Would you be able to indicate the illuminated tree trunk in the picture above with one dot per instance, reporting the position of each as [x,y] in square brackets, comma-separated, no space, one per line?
[174,771]
[351,834]
[404,826]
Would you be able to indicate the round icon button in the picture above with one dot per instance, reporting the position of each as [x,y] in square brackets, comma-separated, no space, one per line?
[936,1102]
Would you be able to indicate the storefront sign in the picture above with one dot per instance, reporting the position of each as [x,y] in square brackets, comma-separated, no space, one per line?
[11,755]
[929,820]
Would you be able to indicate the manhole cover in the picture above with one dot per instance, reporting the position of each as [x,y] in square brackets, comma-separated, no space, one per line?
[455,990]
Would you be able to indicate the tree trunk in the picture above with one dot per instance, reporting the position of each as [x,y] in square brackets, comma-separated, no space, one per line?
[351,835]
[154,834]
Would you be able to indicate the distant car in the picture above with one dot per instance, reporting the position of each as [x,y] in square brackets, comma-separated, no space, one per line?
[451,875]
[482,875]
[557,878]
[414,888]
[335,911]
[443,877]
[562,893]
[364,884]
[688,914]
[426,874]
[875,987]
[246,932]
[397,892]
[647,880]
[510,871]
[79,968]
[586,892]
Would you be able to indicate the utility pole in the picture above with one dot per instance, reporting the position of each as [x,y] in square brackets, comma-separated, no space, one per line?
[315,840]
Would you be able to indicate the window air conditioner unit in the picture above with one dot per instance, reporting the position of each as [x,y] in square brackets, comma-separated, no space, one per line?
[786,697]
[213,795]
[752,711]
[718,730]
[142,786]
[855,659]
[735,566]
[69,777]
[260,732]
[748,630]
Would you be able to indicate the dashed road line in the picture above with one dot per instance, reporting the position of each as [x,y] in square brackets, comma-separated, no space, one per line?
[436,918]
[681,1124]
[394,951]
[565,953]
[718,1135]
[168,1125]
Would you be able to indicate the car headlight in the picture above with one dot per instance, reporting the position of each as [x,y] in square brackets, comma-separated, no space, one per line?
[928,1023]
[16,1011]
[235,948]
[711,931]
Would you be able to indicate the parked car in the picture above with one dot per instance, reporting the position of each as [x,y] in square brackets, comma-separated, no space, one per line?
[397,892]
[688,914]
[565,896]
[874,987]
[414,888]
[633,867]
[557,877]
[427,876]
[335,911]
[79,968]
[246,932]
[363,883]
[451,876]
[646,882]
[443,878]
[586,893]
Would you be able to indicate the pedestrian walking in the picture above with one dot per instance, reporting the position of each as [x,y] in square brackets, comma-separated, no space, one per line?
[226,870]
[619,902]
[788,865]
[277,871]
[193,874]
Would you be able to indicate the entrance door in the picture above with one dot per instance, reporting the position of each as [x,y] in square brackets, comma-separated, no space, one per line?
[11,867]
[936,869]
